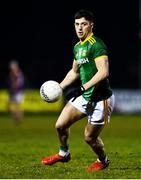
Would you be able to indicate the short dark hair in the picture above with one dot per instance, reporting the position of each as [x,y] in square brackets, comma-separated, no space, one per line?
[88,15]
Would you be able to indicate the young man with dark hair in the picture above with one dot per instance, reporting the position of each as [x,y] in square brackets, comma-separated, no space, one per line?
[93,99]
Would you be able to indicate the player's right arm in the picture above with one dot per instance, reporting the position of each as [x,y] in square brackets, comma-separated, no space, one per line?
[71,76]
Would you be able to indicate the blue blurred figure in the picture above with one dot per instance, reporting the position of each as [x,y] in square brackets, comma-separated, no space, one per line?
[16,91]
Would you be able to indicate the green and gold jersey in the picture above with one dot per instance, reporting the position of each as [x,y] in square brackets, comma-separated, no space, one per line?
[86,53]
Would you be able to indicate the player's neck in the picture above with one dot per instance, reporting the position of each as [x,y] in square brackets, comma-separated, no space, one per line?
[87,37]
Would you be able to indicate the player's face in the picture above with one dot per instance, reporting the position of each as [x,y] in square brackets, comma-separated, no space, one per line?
[83,28]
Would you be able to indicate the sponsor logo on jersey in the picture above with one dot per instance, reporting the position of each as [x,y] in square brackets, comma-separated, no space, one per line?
[82,61]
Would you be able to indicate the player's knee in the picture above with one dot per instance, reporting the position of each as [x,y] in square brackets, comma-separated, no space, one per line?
[59,126]
[89,138]
[93,142]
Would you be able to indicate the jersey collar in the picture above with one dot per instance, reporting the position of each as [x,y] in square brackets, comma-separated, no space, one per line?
[82,42]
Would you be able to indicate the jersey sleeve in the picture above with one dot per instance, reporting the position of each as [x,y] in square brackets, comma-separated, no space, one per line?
[100,49]
[74,53]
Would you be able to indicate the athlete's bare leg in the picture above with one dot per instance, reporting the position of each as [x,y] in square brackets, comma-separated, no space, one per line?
[16,111]
[92,133]
[68,116]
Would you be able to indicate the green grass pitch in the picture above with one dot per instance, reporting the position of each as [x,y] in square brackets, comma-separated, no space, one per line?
[22,148]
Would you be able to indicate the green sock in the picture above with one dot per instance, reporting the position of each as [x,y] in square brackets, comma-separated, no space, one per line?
[64,148]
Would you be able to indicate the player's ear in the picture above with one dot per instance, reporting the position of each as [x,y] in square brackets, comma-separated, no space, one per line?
[92,25]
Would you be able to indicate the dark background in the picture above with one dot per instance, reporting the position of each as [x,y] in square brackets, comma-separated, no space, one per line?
[41,36]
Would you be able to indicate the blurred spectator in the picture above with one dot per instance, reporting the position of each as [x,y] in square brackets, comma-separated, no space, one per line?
[15,91]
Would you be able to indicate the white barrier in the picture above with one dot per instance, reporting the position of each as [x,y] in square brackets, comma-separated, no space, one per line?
[127,101]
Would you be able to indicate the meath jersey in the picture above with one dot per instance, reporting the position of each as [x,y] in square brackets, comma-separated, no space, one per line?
[86,53]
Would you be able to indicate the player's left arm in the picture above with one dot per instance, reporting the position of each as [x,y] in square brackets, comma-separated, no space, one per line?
[102,71]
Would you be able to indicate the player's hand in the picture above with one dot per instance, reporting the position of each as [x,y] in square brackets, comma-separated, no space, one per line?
[75,92]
